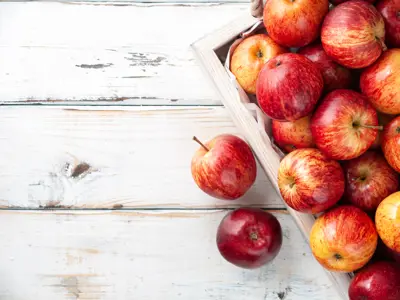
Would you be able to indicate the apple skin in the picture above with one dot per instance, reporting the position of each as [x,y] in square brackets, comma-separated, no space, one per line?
[249,57]
[377,281]
[387,221]
[289,87]
[294,23]
[353,34]
[391,143]
[310,182]
[293,135]
[343,239]
[227,170]
[337,2]
[369,180]
[249,237]
[390,10]
[380,82]
[335,76]
[338,125]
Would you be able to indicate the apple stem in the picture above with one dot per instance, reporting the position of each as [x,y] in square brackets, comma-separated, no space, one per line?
[379,127]
[200,143]
[254,236]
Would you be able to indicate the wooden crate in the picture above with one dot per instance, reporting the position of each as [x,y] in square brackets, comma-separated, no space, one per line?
[212,52]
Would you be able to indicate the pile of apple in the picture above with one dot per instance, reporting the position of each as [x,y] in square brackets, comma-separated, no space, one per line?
[328,76]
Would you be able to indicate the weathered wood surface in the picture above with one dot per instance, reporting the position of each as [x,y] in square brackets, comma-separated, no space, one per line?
[96,54]
[143,255]
[105,157]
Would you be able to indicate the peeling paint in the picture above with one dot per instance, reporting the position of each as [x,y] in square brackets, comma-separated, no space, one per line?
[94,66]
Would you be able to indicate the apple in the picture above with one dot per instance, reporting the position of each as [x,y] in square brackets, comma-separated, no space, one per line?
[224,167]
[288,87]
[353,34]
[249,237]
[390,10]
[249,57]
[383,119]
[391,143]
[310,182]
[294,23]
[369,180]
[387,221]
[293,135]
[380,82]
[337,2]
[343,239]
[344,125]
[335,76]
[377,281]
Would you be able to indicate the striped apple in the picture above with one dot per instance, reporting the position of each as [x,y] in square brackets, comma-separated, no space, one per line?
[381,82]
[353,34]
[309,181]
[391,143]
[343,239]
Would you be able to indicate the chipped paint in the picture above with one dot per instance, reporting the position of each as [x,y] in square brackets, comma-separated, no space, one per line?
[94,66]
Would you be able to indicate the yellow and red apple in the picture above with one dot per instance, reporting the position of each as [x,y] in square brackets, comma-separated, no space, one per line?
[249,57]
[309,181]
[381,82]
[343,239]
[391,143]
[224,167]
[387,220]
[353,34]
[294,23]
[344,125]
[293,135]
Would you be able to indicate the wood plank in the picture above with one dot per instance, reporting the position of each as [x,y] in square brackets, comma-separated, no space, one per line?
[136,54]
[146,256]
[136,157]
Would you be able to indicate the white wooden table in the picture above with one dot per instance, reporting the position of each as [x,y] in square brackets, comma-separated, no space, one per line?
[99,104]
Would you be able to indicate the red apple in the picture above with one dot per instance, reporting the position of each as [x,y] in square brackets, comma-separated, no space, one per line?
[381,81]
[377,281]
[369,180]
[249,57]
[343,239]
[293,135]
[294,23]
[224,167]
[309,181]
[288,87]
[390,10]
[391,143]
[344,125]
[383,120]
[387,221]
[335,76]
[249,237]
[353,34]
[337,2]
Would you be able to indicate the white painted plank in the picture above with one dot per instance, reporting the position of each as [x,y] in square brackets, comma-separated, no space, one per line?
[144,255]
[136,54]
[138,157]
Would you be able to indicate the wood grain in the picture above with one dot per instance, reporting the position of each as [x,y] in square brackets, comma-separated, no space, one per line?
[105,157]
[101,54]
[157,255]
